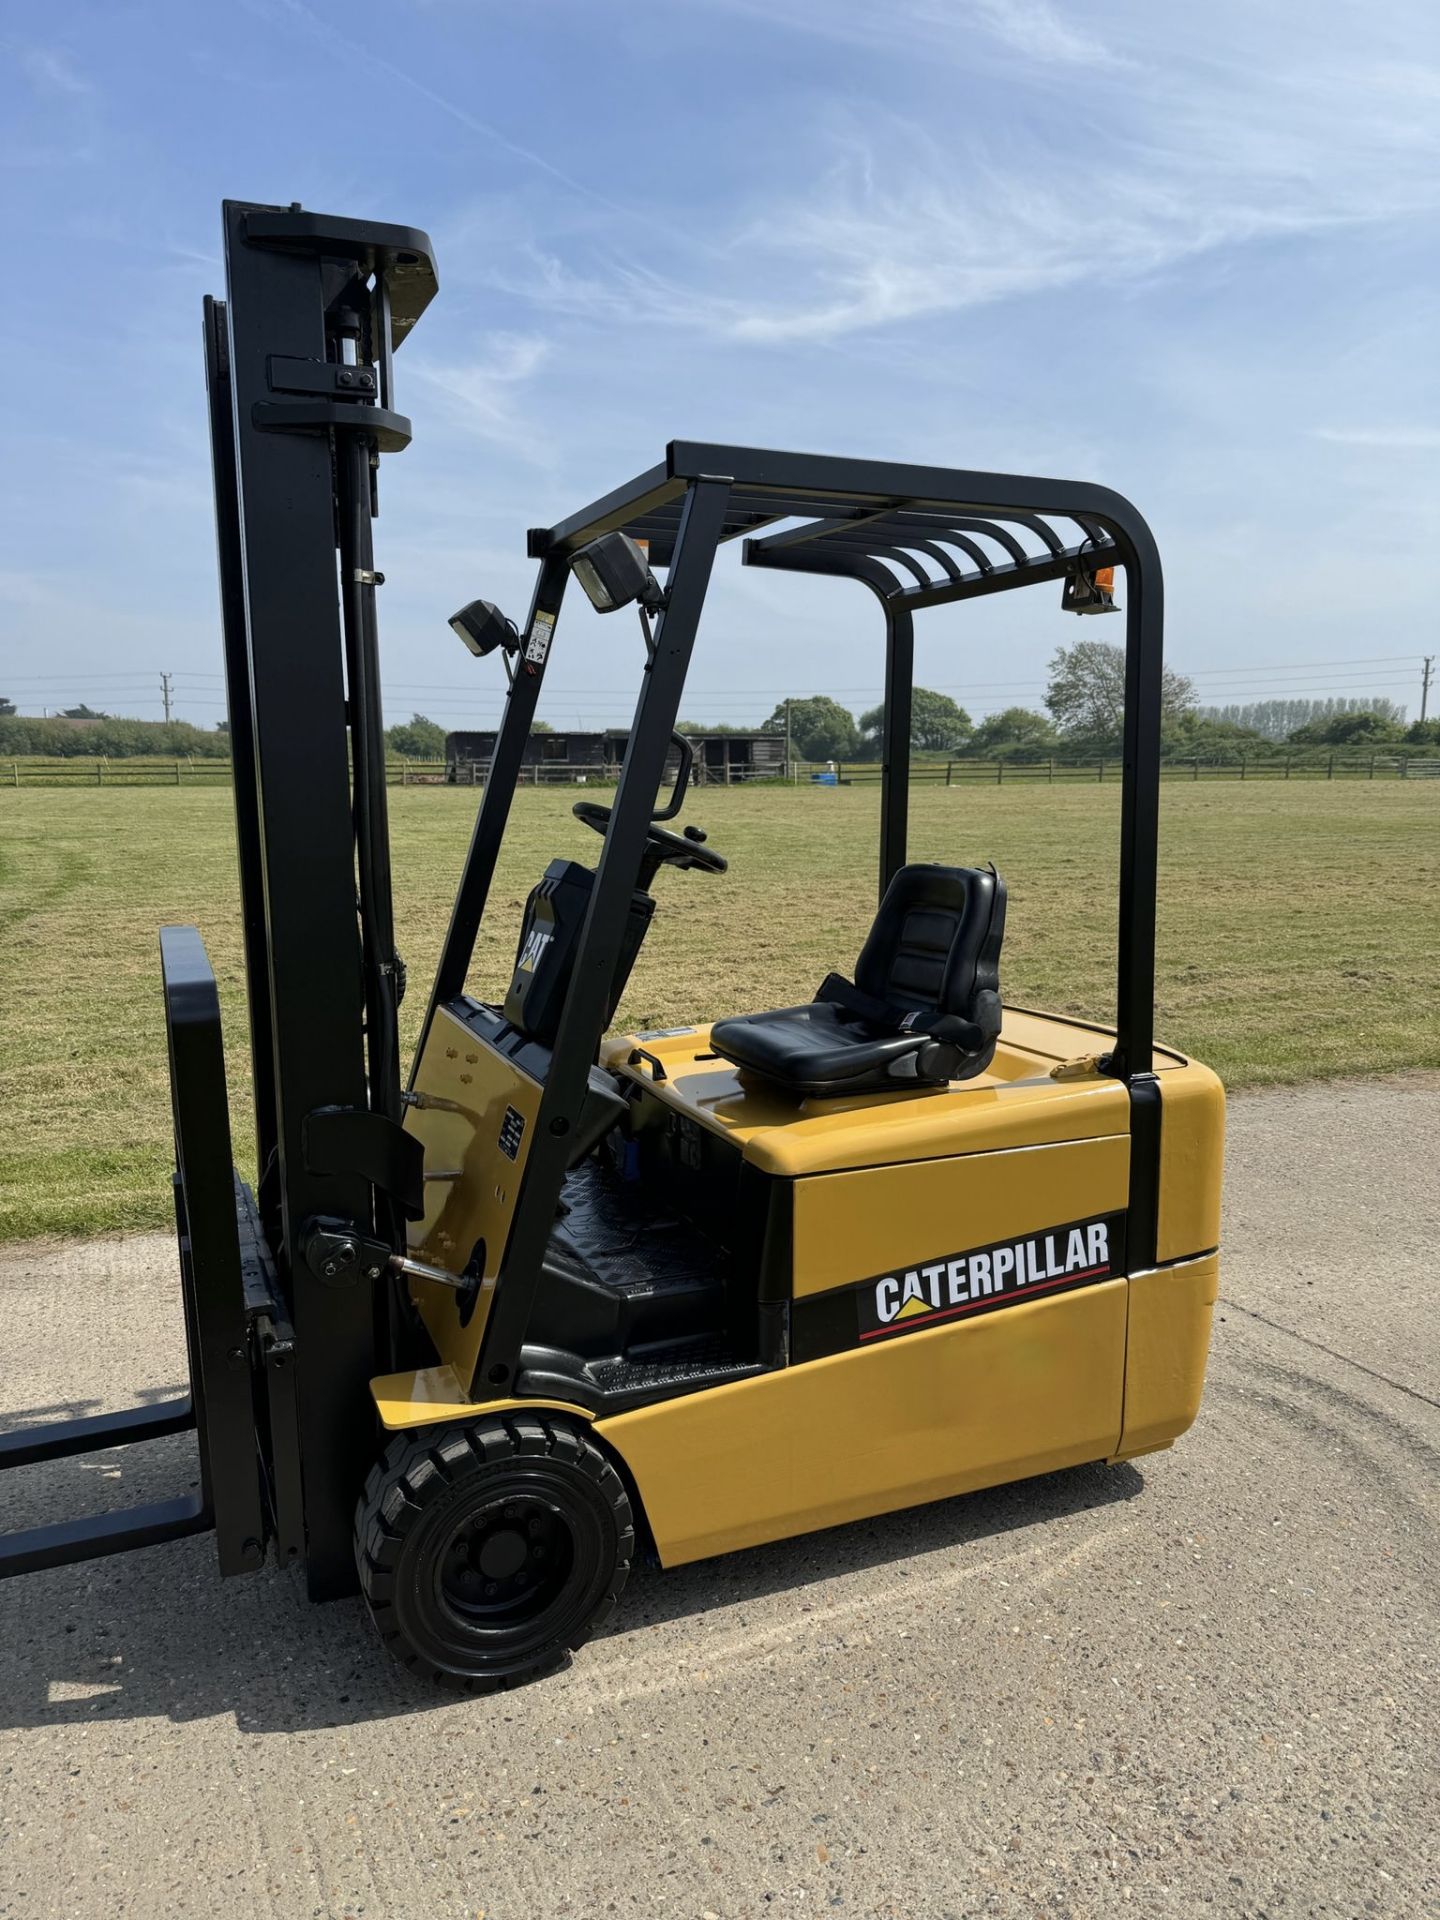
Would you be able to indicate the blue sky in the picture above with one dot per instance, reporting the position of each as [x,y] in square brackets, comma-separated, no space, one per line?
[1190,252]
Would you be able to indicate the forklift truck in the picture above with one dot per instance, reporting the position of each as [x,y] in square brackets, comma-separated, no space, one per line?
[470,1343]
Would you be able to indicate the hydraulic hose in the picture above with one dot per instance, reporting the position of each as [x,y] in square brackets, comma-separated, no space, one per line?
[367,746]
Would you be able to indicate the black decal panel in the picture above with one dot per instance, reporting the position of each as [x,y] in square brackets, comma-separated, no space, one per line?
[512,1132]
[958,1286]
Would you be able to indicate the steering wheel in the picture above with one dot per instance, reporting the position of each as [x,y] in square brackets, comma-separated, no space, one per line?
[665,848]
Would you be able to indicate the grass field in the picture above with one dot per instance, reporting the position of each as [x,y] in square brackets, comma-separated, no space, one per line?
[1299,936]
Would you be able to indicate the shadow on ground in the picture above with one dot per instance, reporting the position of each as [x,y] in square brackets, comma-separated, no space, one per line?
[157,1633]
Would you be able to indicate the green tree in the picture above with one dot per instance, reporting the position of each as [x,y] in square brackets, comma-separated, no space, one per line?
[1015,734]
[82,712]
[1278,719]
[113,739]
[937,724]
[1348,730]
[820,728]
[1199,736]
[1086,694]
[1423,733]
[419,739]
[6,706]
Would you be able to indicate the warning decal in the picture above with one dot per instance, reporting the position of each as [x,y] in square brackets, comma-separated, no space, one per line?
[537,643]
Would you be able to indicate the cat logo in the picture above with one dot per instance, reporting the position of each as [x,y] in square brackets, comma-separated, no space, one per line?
[536,941]
[1003,1274]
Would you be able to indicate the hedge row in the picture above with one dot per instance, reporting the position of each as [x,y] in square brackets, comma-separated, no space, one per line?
[21,737]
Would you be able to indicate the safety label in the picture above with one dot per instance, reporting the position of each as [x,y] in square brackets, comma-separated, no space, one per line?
[537,645]
[512,1132]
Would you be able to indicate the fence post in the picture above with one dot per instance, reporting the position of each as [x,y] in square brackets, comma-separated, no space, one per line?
[1242,766]
[1287,766]
[999,772]
[1404,768]
[15,770]
[1101,775]
[1372,766]
[1196,774]
[177,773]
[949,771]
[1330,770]
[99,773]
[1051,779]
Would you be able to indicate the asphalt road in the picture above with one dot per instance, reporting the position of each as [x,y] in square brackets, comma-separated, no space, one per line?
[1201,1683]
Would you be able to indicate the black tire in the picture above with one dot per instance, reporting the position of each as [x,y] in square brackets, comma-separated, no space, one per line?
[488,1553]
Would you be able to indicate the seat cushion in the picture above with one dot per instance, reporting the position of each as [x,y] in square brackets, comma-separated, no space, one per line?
[936,940]
[924,1008]
[812,1049]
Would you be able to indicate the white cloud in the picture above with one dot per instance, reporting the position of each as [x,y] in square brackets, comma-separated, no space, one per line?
[1389,439]
[1034,29]
[51,72]
[487,389]
[921,28]
[1188,152]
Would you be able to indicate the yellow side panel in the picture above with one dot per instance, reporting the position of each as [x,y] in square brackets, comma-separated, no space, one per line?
[1025,1391]
[850,1226]
[1015,1104]
[471,1086]
[1169,1340]
[1192,1153]
[432,1396]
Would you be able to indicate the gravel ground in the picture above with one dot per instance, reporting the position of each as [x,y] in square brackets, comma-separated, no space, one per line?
[1202,1682]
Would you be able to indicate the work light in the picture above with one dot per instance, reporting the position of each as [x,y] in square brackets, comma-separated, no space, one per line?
[613,571]
[483,628]
[1089,592]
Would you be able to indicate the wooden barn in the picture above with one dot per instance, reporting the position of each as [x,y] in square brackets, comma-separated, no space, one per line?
[720,758]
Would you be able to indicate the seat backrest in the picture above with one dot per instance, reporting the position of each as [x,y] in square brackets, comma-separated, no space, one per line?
[935,944]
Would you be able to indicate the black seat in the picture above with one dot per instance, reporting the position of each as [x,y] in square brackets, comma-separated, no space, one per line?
[924,1007]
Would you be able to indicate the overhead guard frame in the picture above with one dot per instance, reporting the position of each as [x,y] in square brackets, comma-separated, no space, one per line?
[864,520]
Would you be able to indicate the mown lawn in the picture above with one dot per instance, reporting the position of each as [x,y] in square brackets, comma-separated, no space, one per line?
[1299,937]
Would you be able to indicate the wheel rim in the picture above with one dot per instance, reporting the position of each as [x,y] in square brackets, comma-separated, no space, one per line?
[506,1564]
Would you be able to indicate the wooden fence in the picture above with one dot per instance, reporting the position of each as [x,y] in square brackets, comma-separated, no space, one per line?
[87,770]
[1050,771]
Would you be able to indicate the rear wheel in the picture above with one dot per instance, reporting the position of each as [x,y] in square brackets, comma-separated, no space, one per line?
[487,1553]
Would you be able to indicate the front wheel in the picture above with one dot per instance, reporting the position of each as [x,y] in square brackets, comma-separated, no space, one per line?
[487,1553]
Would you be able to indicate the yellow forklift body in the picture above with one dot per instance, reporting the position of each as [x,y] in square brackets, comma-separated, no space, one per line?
[948,1410]
[470,1099]
[1016,1103]
[935,1413]
[882,1183]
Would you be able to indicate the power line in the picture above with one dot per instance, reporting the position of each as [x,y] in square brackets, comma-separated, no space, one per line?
[116,676]
[977,686]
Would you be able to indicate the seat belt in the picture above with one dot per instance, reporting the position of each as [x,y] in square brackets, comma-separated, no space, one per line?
[946,1027]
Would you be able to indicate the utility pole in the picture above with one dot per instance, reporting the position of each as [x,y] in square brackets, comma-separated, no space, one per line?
[788,775]
[1425,673]
[165,679]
